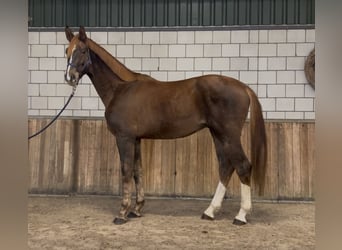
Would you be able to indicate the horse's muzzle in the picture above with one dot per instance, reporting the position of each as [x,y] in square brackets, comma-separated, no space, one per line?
[72,80]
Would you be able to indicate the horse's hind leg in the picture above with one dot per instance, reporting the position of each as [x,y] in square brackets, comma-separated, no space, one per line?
[235,159]
[245,205]
[216,203]
[225,172]
[231,157]
[243,169]
[138,175]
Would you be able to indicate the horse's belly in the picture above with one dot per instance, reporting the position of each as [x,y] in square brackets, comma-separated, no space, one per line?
[173,129]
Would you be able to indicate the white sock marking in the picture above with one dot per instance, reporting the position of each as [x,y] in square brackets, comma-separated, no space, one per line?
[246,203]
[216,202]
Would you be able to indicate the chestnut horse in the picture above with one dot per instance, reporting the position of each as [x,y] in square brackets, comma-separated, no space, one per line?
[138,106]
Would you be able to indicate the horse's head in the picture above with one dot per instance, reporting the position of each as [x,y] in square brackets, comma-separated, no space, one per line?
[78,56]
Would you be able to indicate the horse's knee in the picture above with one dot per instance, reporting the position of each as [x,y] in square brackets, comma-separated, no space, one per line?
[127,174]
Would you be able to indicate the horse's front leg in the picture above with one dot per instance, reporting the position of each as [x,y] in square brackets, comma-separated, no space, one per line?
[126,151]
[138,175]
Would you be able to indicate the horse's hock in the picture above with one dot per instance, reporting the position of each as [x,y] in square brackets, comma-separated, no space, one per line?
[309,68]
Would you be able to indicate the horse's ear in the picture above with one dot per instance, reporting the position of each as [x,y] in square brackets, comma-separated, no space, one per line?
[82,36]
[68,33]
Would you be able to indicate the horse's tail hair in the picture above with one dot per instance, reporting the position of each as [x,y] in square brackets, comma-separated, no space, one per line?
[258,142]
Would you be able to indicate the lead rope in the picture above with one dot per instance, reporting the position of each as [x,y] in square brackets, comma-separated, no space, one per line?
[56,117]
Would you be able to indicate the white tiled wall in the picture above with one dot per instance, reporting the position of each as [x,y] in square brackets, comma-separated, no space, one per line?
[270,61]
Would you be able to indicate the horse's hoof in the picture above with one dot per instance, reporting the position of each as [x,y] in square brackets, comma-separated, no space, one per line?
[133,215]
[239,222]
[206,217]
[119,221]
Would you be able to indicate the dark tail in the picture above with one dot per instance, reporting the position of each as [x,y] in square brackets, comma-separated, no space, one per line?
[258,142]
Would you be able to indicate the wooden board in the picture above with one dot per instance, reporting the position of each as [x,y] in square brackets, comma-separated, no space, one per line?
[51,157]
[81,156]
[98,161]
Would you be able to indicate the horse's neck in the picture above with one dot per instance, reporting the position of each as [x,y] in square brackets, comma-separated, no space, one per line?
[103,78]
[118,68]
[106,73]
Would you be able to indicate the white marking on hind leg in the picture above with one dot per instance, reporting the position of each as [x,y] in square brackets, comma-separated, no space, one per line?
[246,203]
[216,202]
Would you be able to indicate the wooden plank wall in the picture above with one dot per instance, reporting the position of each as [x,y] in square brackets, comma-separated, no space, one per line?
[80,156]
[51,157]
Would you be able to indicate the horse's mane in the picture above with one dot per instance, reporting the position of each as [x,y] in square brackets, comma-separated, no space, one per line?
[117,67]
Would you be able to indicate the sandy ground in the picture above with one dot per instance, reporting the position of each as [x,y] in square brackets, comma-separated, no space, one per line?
[85,222]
